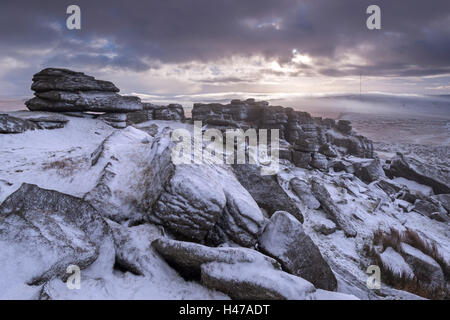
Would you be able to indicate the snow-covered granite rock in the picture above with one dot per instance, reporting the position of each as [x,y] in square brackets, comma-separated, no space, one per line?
[133,158]
[43,232]
[413,169]
[252,281]
[396,263]
[188,257]
[303,191]
[9,124]
[424,266]
[60,101]
[63,90]
[285,240]
[206,202]
[67,80]
[341,220]
[370,171]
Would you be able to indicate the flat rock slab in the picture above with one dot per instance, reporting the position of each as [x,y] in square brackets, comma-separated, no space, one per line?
[187,257]
[68,80]
[9,124]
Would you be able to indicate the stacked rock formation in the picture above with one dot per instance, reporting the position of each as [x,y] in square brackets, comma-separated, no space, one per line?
[309,142]
[62,90]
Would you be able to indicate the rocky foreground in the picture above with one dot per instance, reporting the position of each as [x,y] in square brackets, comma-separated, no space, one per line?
[87,179]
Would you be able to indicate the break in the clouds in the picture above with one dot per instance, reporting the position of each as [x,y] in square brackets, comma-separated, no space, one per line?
[207,46]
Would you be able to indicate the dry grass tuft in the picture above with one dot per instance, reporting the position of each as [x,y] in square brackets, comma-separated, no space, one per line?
[419,284]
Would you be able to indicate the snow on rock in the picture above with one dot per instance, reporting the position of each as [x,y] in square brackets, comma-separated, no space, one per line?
[191,203]
[285,240]
[133,247]
[187,257]
[206,202]
[395,262]
[303,191]
[54,159]
[127,286]
[424,266]
[136,167]
[9,124]
[44,120]
[342,220]
[422,173]
[255,282]
[143,273]
[42,232]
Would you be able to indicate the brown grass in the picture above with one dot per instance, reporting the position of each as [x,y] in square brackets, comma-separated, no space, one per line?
[64,167]
[419,284]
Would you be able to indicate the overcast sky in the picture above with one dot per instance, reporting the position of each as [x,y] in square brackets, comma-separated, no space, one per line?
[214,47]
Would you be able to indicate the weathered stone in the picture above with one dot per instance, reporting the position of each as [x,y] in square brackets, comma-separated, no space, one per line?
[61,101]
[320,162]
[284,239]
[306,145]
[42,232]
[444,200]
[344,126]
[371,171]
[342,165]
[67,80]
[389,187]
[245,281]
[170,112]
[10,124]
[302,159]
[341,220]
[303,192]
[187,257]
[144,167]
[133,248]
[415,170]
[328,150]
[207,203]
[428,206]
[266,191]
[355,145]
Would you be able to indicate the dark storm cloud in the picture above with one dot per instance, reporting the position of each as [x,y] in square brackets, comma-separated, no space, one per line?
[414,40]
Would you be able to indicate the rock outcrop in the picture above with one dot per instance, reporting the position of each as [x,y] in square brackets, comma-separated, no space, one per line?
[285,240]
[62,90]
[415,170]
[306,134]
